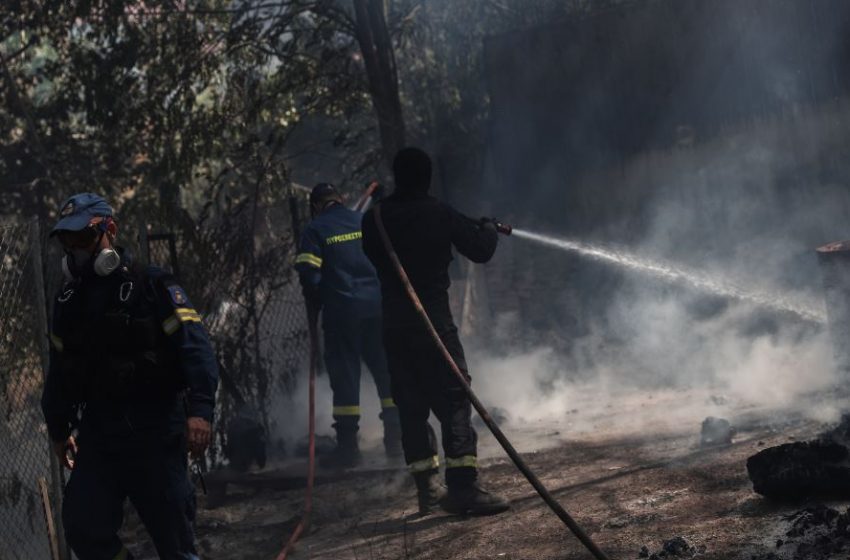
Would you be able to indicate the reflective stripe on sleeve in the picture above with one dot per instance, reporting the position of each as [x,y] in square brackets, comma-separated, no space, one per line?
[387,403]
[181,315]
[186,314]
[459,462]
[309,258]
[425,464]
[346,411]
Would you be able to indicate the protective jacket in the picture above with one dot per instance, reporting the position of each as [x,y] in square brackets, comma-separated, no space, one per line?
[423,231]
[124,350]
[334,272]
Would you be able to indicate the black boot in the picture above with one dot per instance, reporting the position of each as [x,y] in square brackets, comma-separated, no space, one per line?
[392,433]
[471,498]
[429,490]
[346,454]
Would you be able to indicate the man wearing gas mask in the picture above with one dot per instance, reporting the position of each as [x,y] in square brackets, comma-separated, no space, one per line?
[130,389]
[338,279]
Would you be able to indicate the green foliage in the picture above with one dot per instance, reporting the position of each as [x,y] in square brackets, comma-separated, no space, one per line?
[162,102]
[148,101]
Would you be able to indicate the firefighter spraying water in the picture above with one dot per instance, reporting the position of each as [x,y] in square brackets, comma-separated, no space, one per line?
[426,358]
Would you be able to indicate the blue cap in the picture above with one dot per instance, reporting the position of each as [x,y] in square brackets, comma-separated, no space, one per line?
[77,212]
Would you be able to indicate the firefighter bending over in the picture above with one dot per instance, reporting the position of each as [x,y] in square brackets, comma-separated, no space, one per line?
[131,385]
[339,280]
[423,230]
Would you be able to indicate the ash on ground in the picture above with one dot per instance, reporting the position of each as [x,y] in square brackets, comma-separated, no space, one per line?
[814,533]
[676,547]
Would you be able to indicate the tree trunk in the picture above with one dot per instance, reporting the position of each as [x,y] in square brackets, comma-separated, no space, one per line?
[379,59]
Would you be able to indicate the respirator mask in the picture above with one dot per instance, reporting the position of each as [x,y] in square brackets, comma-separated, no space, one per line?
[79,262]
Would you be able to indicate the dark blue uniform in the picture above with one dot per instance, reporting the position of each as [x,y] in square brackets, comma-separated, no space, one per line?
[338,278]
[423,231]
[129,358]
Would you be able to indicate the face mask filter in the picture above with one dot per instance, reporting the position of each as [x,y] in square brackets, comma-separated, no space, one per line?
[106,262]
[103,263]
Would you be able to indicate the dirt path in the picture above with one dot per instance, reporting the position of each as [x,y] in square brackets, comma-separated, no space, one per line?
[629,484]
[625,492]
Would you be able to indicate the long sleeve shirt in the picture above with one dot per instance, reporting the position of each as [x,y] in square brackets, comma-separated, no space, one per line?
[423,232]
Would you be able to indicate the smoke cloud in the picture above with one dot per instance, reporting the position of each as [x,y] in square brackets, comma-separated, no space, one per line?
[746,201]
[619,330]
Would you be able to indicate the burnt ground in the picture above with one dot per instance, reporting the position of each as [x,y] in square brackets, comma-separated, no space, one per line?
[630,470]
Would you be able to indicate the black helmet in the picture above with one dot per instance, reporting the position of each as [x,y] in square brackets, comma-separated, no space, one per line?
[323,192]
[412,170]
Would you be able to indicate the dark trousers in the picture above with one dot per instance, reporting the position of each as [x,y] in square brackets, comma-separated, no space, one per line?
[153,475]
[348,340]
[423,382]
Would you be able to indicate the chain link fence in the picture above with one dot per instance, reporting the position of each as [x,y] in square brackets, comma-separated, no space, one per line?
[239,274]
[28,475]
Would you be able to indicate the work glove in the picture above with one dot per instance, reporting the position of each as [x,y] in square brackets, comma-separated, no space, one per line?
[488,224]
[494,225]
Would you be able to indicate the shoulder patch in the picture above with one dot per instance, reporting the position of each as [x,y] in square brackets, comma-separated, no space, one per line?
[178,296]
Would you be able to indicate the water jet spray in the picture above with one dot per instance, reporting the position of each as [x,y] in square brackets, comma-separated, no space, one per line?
[672,273]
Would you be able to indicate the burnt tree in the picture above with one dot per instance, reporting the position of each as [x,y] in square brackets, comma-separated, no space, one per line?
[378,57]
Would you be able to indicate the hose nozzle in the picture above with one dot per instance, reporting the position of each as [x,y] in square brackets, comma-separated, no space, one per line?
[504,229]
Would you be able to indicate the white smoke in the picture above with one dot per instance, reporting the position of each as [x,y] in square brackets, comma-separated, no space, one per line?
[289,417]
[736,212]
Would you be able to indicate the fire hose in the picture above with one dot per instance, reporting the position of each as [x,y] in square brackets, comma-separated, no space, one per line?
[482,412]
[312,325]
[366,197]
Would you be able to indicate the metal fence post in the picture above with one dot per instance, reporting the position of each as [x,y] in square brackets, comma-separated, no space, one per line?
[56,474]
